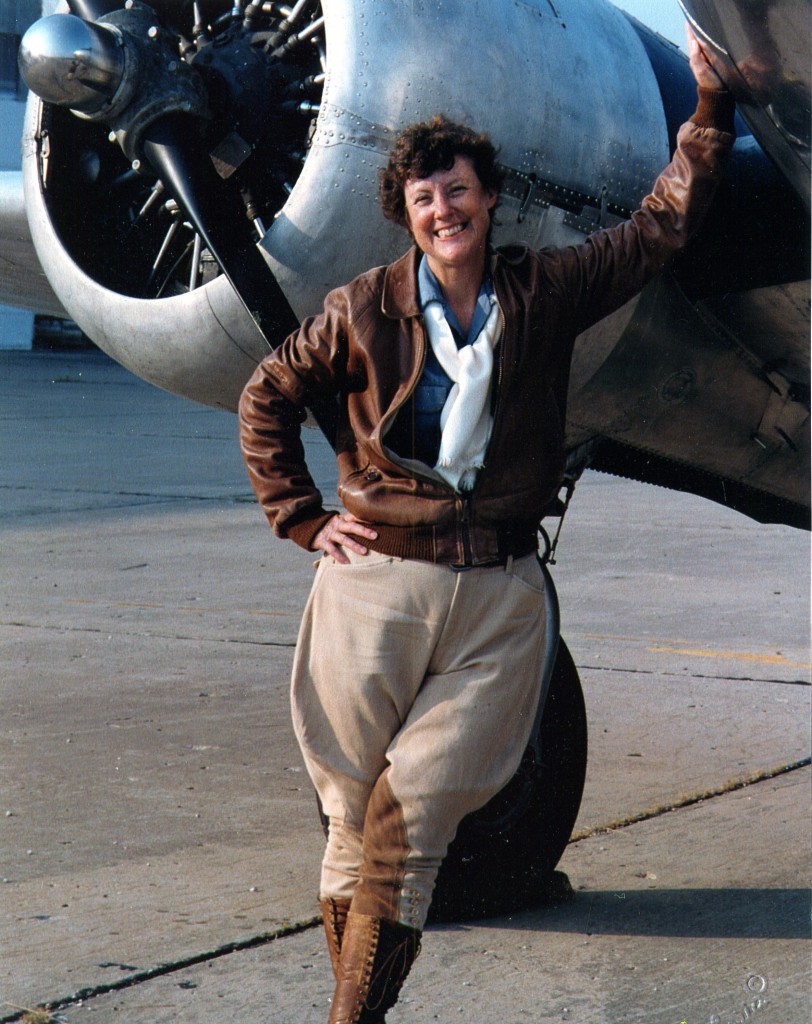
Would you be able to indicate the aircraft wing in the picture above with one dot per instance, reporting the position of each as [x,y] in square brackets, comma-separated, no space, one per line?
[747,277]
[196,184]
[761,49]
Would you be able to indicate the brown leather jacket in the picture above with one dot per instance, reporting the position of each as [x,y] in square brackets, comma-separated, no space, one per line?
[368,347]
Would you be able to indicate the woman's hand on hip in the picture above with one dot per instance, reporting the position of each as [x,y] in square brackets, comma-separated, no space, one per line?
[343,531]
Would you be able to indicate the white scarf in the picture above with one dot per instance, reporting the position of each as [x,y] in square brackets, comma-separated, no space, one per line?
[466,419]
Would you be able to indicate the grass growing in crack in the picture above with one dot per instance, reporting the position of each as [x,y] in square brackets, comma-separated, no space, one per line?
[38,1016]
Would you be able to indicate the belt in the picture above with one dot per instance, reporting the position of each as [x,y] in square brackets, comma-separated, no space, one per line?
[433,544]
[496,563]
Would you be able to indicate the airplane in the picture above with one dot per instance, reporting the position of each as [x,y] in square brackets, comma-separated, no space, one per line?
[198,175]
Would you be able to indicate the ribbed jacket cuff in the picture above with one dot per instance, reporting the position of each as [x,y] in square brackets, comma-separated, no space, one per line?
[715,108]
[413,542]
[304,532]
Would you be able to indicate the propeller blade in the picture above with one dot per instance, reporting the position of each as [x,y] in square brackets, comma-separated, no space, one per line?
[92,10]
[218,215]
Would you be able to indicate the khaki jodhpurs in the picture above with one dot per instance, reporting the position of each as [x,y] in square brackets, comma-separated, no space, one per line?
[414,691]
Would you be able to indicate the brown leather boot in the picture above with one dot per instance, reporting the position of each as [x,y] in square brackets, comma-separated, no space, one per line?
[376,956]
[334,914]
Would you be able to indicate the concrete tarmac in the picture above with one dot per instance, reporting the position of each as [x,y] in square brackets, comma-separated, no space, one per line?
[160,846]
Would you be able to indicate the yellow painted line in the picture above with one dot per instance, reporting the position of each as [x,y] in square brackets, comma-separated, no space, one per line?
[614,636]
[764,659]
[683,647]
[135,604]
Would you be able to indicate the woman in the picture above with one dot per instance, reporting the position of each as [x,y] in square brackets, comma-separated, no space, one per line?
[419,660]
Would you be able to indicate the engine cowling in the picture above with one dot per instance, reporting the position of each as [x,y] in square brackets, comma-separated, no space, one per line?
[336,85]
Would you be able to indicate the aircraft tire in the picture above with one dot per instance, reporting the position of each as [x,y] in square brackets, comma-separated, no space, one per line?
[504,854]
[503,857]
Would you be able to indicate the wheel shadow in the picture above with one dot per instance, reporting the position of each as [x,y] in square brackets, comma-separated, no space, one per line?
[678,913]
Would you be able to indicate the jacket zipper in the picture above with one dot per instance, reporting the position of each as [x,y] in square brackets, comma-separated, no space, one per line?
[467,499]
[499,374]
[465,529]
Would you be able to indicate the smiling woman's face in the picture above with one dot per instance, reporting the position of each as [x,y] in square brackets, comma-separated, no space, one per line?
[448,214]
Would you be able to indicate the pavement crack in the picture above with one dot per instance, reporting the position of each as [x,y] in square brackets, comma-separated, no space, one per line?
[694,798]
[162,970]
[104,492]
[691,675]
[129,634]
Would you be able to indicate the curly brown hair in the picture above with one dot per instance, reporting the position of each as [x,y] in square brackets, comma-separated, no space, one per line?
[429,146]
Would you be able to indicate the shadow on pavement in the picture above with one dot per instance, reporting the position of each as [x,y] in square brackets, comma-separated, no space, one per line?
[685,913]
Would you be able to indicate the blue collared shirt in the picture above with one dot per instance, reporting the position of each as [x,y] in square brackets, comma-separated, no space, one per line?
[423,419]
[429,290]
